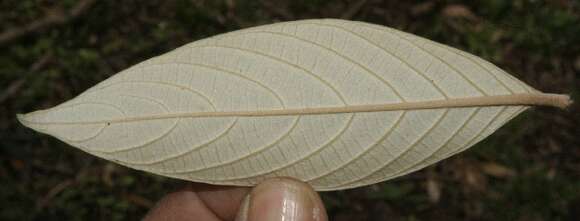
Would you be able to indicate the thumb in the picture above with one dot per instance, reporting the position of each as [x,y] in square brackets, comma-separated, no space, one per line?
[282,199]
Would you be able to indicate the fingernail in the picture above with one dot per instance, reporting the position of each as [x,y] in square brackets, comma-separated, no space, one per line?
[285,199]
[244,208]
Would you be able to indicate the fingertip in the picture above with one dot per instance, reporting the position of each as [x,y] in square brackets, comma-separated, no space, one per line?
[180,206]
[284,199]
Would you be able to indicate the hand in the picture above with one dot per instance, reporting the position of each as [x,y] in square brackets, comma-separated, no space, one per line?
[274,199]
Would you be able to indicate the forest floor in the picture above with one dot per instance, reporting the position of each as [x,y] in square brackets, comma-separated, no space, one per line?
[54,50]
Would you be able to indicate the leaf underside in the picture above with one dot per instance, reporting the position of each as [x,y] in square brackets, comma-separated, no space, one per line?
[338,104]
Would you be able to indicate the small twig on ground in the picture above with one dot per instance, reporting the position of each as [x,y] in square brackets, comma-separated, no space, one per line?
[52,193]
[17,85]
[41,62]
[433,186]
[56,17]
[353,9]
[138,200]
[11,90]
[276,9]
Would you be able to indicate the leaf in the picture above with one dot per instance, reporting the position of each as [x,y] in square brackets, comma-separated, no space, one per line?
[338,104]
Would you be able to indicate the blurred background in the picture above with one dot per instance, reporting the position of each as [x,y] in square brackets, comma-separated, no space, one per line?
[51,51]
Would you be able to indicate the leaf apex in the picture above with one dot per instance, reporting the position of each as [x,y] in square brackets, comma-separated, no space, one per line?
[22,119]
